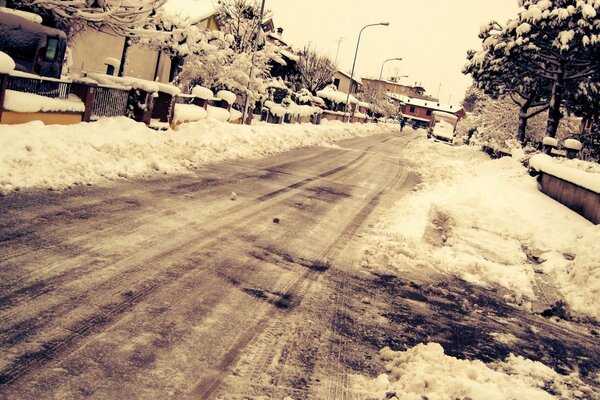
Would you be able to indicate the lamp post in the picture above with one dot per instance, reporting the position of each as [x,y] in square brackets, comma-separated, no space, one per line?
[354,62]
[389,59]
[259,27]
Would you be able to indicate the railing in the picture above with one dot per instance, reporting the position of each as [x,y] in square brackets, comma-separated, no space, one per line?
[110,102]
[43,87]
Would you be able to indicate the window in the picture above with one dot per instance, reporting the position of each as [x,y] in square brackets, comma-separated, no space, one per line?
[51,49]
[411,109]
[428,112]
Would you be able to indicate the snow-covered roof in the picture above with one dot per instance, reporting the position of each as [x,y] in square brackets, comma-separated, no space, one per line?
[434,105]
[279,38]
[192,10]
[289,55]
[355,79]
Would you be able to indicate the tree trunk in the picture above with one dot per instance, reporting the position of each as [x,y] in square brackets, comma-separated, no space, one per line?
[522,125]
[126,47]
[554,114]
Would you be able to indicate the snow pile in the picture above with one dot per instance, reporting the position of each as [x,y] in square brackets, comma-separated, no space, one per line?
[37,156]
[202,93]
[235,115]
[133,83]
[479,219]
[7,64]
[425,372]
[545,163]
[276,109]
[218,113]
[226,95]
[336,96]
[29,102]
[188,113]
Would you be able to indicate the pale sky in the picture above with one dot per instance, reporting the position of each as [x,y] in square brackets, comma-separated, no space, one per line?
[432,36]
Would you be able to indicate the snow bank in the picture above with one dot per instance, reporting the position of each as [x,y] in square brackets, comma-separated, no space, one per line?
[425,372]
[188,113]
[545,163]
[478,219]
[29,102]
[37,156]
[218,113]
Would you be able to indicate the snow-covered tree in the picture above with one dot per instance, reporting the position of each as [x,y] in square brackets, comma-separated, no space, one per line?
[315,71]
[493,121]
[497,74]
[560,41]
[123,17]
[379,100]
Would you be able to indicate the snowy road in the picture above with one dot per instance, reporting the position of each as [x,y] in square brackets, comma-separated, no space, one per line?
[170,289]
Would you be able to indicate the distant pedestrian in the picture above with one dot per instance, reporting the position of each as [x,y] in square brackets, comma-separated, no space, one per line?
[402,123]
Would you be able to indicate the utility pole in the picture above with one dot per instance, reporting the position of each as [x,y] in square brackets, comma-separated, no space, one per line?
[339,42]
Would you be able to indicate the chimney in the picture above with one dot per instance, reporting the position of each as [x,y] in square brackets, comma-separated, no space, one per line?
[280,32]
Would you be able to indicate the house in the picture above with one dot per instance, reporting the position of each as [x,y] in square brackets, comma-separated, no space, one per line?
[280,69]
[419,112]
[341,81]
[393,86]
[92,48]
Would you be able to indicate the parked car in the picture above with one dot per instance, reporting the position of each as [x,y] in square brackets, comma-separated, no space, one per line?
[442,126]
[35,48]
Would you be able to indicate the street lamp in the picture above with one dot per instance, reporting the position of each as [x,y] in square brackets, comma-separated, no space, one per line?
[389,59]
[354,62]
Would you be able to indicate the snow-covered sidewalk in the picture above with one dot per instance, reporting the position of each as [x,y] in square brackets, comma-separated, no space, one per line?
[37,156]
[486,222]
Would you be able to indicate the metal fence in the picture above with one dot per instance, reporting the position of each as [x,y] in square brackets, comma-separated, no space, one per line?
[110,102]
[42,87]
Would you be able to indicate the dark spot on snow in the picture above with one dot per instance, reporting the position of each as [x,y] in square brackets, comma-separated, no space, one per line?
[259,294]
[318,266]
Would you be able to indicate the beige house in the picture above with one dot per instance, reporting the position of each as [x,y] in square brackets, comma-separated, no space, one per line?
[91,48]
[341,81]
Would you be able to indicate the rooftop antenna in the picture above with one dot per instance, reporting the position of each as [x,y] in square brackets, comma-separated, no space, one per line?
[339,42]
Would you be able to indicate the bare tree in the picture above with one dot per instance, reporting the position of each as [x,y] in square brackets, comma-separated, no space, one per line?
[315,71]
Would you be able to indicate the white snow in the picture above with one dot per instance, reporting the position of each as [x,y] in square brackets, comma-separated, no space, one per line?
[425,372]
[549,141]
[475,218]
[28,102]
[125,82]
[202,93]
[336,96]
[218,113]
[545,163]
[235,115]
[23,14]
[33,155]
[188,113]
[7,64]
[572,144]
[443,130]
[226,95]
